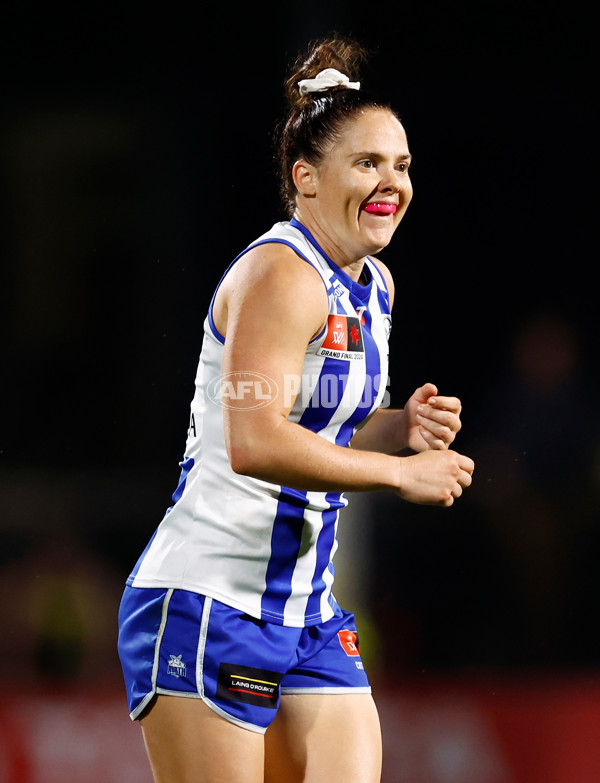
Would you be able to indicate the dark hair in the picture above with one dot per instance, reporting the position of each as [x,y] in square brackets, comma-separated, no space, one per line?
[315,121]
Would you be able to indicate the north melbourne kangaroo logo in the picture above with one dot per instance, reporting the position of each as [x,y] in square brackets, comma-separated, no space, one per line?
[176,667]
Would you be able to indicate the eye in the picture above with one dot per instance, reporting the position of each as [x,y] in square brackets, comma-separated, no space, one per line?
[403,167]
[367,163]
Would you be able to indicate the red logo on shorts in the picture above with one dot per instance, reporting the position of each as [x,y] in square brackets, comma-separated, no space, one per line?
[349,642]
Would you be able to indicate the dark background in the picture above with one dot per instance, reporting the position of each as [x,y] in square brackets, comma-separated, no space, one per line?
[136,162]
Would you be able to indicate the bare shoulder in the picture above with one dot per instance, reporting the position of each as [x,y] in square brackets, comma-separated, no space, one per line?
[272,278]
[277,262]
[387,275]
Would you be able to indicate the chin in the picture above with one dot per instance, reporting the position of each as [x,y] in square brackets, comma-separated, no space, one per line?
[377,243]
[374,250]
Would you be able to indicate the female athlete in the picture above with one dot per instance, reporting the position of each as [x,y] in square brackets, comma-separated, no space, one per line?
[238,661]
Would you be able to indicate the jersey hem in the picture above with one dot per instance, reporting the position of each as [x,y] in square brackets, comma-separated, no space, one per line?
[276,619]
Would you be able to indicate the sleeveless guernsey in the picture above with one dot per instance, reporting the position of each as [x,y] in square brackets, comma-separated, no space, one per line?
[263,548]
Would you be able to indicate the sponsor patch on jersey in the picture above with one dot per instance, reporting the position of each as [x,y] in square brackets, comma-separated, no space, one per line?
[258,687]
[349,642]
[344,338]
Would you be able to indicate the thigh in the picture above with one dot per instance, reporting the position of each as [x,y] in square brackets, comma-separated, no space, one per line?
[187,742]
[332,737]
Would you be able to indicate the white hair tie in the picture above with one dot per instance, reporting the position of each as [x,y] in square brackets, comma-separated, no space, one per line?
[325,80]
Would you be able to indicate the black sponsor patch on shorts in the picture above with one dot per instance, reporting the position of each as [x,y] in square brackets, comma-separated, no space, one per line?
[258,687]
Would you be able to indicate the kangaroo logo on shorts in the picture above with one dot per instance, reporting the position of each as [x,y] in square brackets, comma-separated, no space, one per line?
[259,687]
[349,642]
[176,666]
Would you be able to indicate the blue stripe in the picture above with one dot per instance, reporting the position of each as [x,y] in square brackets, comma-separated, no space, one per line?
[186,465]
[315,416]
[286,540]
[324,546]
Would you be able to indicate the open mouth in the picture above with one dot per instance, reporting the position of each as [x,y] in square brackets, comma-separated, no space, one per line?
[380,208]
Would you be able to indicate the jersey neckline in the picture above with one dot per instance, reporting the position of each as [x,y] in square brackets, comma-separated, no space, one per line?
[357,289]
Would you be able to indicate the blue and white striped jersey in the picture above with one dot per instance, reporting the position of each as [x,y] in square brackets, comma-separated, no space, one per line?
[259,547]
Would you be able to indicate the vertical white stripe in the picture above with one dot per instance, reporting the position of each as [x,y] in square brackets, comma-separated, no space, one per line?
[304,569]
[202,645]
[159,636]
[328,578]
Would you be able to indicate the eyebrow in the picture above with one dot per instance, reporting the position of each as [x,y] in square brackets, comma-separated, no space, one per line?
[367,154]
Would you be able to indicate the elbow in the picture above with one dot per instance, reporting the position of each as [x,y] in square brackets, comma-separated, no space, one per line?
[246,456]
[241,460]
[252,450]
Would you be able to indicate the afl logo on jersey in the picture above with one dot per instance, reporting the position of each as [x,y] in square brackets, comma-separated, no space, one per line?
[344,338]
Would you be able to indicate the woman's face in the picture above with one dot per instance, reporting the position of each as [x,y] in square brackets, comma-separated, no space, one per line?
[362,186]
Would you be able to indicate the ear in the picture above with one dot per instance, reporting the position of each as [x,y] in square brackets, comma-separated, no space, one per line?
[305,177]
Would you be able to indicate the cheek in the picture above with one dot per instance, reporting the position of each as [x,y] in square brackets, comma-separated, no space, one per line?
[348,207]
[406,195]
[356,197]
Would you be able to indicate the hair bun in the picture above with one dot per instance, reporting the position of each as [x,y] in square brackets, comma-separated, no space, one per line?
[343,55]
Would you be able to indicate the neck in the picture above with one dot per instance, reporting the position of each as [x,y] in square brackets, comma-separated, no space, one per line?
[353,267]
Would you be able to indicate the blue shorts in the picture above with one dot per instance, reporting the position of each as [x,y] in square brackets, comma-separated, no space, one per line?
[180,643]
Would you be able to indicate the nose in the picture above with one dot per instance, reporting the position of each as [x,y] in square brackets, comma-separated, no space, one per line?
[391,180]
[397,185]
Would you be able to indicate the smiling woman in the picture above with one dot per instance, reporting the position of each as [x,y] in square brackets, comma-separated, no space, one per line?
[363,185]
[238,660]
